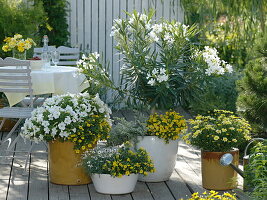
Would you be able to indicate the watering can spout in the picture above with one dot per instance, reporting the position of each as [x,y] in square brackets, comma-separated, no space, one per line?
[227,159]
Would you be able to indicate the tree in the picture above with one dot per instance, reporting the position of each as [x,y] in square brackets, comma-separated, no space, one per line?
[56,27]
[252,100]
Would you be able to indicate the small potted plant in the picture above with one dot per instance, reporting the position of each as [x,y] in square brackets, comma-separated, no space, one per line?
[216,134]
[158,135]
[71,124]
[212,195]
[114,170]
[18,46]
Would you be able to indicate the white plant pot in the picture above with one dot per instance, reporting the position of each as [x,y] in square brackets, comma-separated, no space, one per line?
[163,155]
[106,184]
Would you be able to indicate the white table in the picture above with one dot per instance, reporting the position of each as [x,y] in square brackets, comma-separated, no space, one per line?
[55,80]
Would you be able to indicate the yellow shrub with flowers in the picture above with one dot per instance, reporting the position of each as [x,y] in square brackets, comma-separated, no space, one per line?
[212,195]
[168,126]
[118,161]
[18,43]
[221,131]
[79,118]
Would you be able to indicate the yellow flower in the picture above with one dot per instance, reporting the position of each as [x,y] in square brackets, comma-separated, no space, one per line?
[216,137]
[234,140]
[225,139]
[77,151]
[5,48]
[83,147]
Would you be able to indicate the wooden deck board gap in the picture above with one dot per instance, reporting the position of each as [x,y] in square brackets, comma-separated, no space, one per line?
[150,190]
[170,190]
[187,185]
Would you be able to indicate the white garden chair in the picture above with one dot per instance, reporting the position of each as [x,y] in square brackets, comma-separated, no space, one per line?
[38,51]
[68,56]
[15,77]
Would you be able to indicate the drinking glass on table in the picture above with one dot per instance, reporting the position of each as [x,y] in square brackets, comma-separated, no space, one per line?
[55,57]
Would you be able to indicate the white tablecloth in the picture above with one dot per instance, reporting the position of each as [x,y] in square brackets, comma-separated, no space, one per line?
[56,80]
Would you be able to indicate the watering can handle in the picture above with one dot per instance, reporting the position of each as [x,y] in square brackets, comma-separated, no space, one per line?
[254,139]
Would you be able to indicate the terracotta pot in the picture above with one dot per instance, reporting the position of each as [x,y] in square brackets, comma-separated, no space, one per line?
[214,175]
[65,165]
[163,156]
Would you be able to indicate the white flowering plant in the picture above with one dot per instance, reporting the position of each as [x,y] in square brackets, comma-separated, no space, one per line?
[79,118]
[215,66]
[159,62]
[162,67]
[96,73]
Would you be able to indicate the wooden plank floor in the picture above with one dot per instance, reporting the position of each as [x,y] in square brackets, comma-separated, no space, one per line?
[35,185]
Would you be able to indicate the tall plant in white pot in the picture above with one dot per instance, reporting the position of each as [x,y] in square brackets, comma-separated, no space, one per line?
[158,135]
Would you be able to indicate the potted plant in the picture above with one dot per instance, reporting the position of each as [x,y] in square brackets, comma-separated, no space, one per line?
[71,124]
[158,135]
[161,141]
[114,170]
[212,195]
[216,134]
[18,46]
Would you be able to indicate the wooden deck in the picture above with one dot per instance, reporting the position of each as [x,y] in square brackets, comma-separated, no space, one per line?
[35,185]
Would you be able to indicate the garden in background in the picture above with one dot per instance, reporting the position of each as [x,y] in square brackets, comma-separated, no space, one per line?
[213,66]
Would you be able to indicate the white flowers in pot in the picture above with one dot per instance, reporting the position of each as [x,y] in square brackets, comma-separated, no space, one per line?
[114,170]
[78,118]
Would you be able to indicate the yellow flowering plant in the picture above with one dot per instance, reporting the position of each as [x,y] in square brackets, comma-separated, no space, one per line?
[78,118]
[118,161]
[212,195]
[168,126]
[219,132]
[18,43]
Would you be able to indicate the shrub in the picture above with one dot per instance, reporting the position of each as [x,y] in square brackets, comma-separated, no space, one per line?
[256,171]
[252,99]
[17,17]
[56,27]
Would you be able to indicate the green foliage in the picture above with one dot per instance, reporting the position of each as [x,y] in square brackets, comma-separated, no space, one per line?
[125,130]
[218,93]
[17,17]
[230,26]
[252,99]
[56,27]
[256,171]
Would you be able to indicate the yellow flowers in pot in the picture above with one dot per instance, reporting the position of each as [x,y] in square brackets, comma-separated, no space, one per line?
[118,161]
[17,43]
[220,131]
[169,126]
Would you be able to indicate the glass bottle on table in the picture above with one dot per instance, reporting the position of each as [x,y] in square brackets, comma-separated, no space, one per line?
[45,53]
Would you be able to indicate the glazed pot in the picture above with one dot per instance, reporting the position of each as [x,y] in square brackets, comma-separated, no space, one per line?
[163,156]
[65,165]
[216,176]
[106,184]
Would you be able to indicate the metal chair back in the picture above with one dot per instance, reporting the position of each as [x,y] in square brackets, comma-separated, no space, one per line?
[68,56]
[15,77]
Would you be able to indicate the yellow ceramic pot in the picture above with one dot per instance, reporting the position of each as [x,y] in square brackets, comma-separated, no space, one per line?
[214,175]
[65,165]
